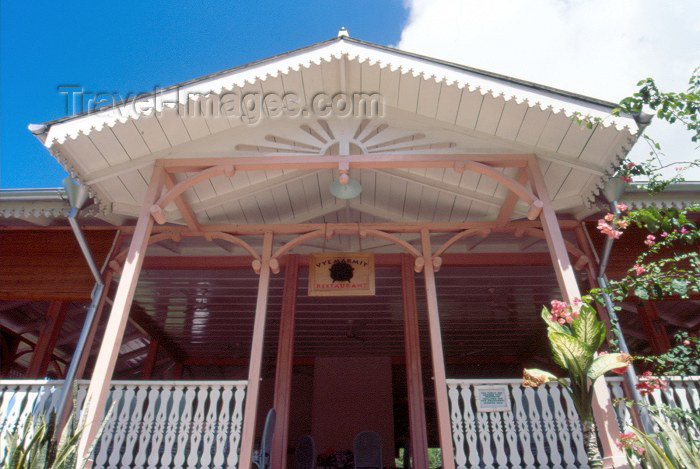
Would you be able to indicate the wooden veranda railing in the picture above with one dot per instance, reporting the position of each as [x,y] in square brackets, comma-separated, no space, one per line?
[542,429]
[154,424]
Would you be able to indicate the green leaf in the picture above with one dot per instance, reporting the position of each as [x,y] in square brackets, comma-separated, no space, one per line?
[553,325]
[588,329]
[604,363]
[679,287]
[571,354]
[641,293]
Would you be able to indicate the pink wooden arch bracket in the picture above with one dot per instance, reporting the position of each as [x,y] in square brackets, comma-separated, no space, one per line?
[419,262]
[581,258]
[239,242]
[289,245]
[116,263]
[182,186]
[518,189]
[461,235]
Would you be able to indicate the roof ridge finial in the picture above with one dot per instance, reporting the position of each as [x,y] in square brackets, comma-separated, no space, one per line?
[342,32]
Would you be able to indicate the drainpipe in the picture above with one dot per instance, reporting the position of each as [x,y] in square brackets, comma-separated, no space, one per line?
[613,192]
[77,197]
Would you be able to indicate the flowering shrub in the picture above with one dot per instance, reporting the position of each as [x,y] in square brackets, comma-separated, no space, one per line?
[648,383]
[612,225]
[682,360]
[630,442]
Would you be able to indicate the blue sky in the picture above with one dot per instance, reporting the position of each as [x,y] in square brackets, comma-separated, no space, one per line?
[134,46]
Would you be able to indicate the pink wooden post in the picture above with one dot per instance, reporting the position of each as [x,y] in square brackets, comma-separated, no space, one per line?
[439,375]
[603,412]
[96,398]
[414,376]
[256,352]
[285,357]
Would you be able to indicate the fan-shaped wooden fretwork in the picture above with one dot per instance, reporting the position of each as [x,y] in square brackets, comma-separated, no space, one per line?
[344,137]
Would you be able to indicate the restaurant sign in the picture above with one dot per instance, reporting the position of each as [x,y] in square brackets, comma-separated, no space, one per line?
[341,274]
[493,398]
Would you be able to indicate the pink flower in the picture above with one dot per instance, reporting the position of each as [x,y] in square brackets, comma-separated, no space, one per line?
[684,230]
[651,240]
[626,179]
[622,224]
[630,165]
[639,269]
[608,230]
[648,383]
[622,207]
[664,235]
[563,313]
[629,441]
[609,217]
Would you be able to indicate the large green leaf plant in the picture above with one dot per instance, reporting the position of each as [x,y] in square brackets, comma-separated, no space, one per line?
[575,335]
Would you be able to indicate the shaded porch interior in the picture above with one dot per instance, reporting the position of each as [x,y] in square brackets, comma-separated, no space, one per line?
[203,320]
[200,310]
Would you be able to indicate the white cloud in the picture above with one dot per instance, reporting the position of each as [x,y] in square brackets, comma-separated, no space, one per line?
[599,48]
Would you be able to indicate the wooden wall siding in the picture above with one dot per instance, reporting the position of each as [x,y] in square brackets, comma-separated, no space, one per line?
[209,313]
[48,265]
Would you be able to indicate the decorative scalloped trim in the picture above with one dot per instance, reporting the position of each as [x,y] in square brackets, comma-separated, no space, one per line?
[251,76]
[50,212]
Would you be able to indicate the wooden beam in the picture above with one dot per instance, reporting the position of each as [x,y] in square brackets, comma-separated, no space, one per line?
[178,369]
[393,259]
[194,162]
[285,359]
[603,411]
[414,376]
[439,375]
[139,319]
[256,352]
[654,328]
[96,397]
[370,161]
[50,332]
[511,200]
[151,359]
[181,204]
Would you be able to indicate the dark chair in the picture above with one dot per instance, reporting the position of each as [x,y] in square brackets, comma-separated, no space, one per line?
[306,453]
[367,449]
[262,458]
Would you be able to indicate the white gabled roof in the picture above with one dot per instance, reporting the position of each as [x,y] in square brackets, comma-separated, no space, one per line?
[431,105]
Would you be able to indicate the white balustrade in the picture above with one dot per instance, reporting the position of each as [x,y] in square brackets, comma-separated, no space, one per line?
[197,424]
[152,424]
[542,430]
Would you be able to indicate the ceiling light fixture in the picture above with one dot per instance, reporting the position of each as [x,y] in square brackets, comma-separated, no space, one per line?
[345,187]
